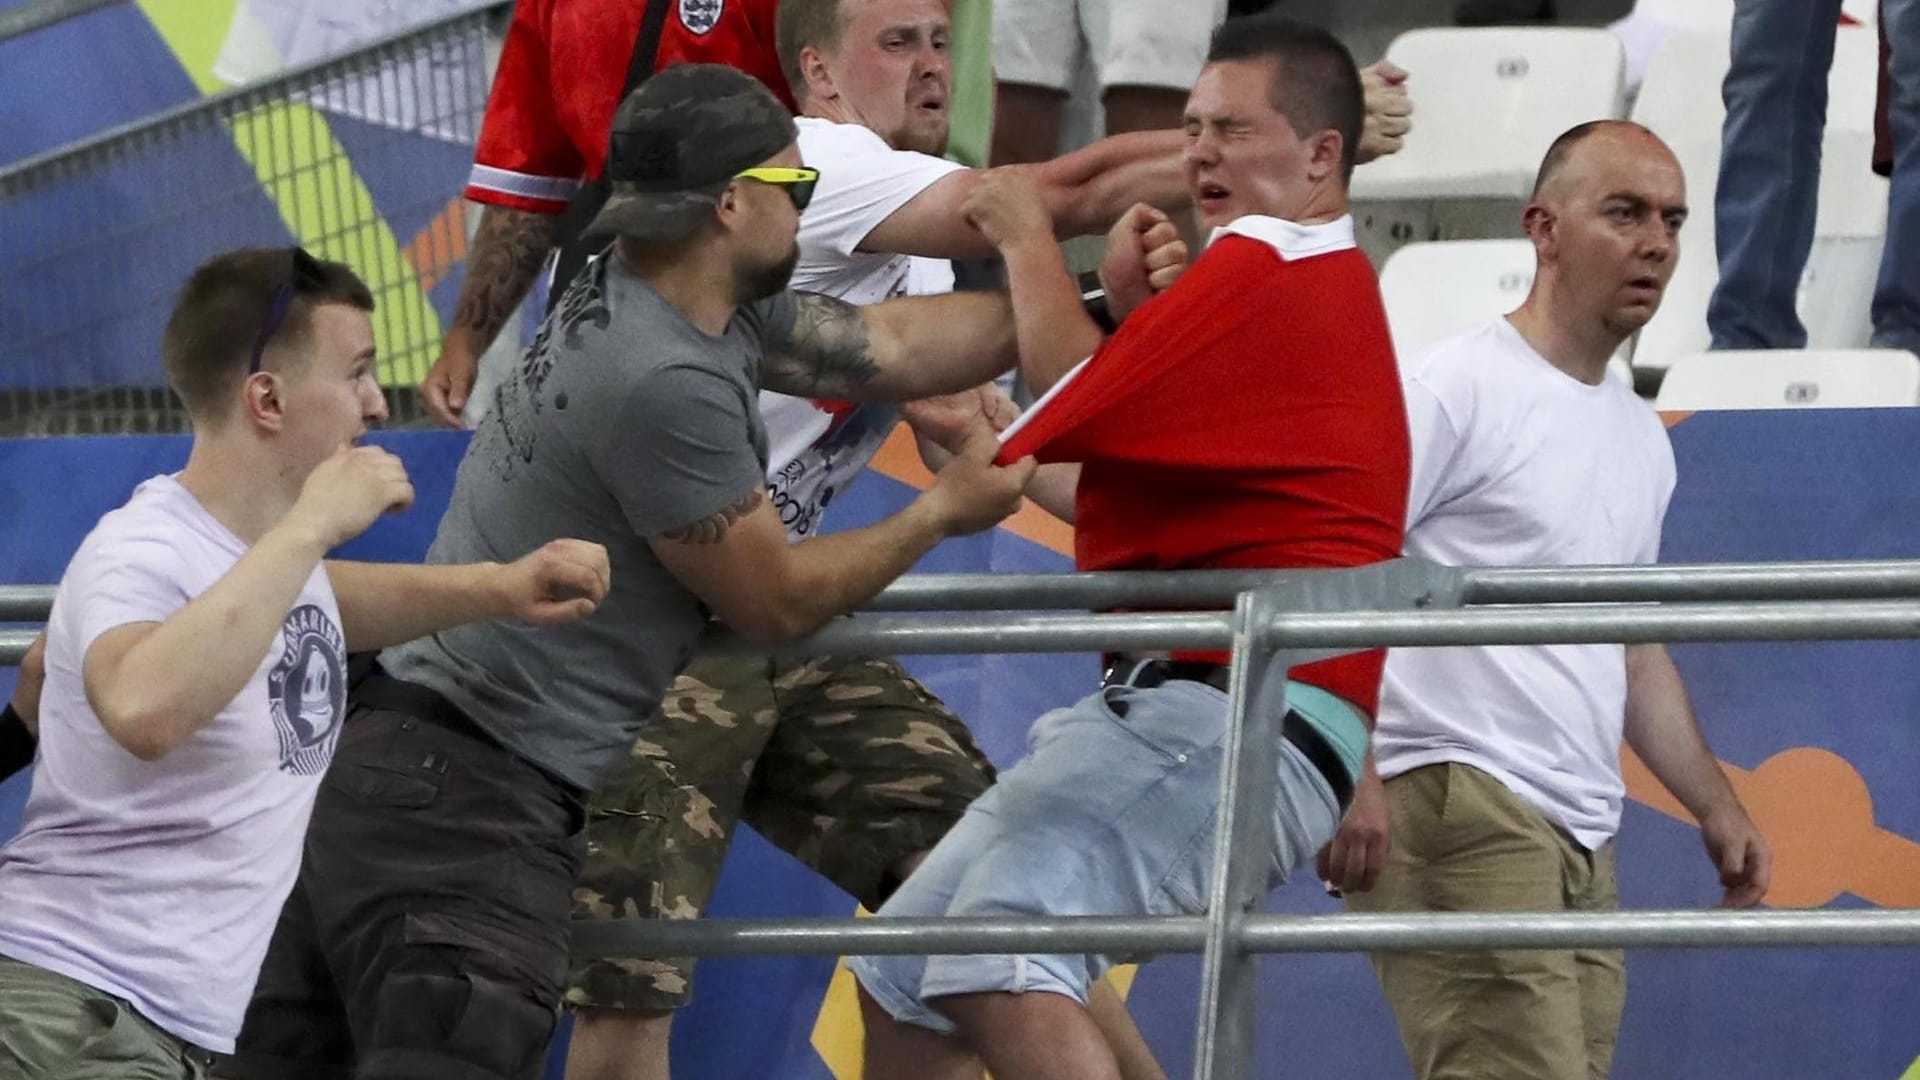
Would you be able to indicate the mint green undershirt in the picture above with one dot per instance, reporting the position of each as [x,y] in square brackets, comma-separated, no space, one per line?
[1337,720]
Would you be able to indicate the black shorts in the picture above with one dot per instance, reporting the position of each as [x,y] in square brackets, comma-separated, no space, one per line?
[427,936]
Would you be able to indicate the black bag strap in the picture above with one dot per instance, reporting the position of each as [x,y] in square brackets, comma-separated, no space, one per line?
[646,45]
[593,195]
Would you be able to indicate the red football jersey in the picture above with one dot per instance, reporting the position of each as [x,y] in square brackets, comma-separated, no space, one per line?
[559,81]
[1249,417]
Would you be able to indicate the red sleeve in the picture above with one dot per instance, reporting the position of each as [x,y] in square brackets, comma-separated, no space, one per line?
[524,159]
[1132,401]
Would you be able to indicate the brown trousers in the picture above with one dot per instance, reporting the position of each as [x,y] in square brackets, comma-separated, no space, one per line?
[1461,841]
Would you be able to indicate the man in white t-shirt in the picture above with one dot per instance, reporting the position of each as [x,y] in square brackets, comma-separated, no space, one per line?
[196,678]
[1501,765]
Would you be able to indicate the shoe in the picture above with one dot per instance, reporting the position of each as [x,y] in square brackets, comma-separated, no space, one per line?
[1503,12]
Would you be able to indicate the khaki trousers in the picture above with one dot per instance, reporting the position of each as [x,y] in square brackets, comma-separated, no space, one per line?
[56,1028]
[1461,841]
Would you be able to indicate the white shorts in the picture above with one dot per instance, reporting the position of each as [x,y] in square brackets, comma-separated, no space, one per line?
[1131,42]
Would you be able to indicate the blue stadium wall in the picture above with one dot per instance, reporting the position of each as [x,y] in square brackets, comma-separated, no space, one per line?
[1822,738]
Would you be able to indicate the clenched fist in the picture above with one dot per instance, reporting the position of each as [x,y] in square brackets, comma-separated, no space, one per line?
[349,491]
[1389,111]
[1144,256]
[560,581]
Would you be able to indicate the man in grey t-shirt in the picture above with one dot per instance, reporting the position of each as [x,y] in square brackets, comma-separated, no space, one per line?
[426,938]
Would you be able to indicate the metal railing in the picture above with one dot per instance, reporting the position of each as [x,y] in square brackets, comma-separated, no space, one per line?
[40,14]
[1281,620]
[361,158]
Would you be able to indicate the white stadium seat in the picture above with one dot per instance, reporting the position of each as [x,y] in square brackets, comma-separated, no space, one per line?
[1792,379]
[1435,290]
[1490,103]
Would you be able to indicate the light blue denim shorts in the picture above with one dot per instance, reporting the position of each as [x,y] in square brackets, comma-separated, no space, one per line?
[1111,812]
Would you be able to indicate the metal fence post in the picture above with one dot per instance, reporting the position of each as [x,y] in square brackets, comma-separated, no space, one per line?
[1262,659]
[1223,1044]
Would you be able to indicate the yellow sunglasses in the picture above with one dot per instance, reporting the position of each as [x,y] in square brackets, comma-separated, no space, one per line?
[798,182]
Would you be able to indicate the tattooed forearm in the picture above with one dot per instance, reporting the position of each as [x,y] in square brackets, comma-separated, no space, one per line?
[828,354]
[507,253]
[713,528]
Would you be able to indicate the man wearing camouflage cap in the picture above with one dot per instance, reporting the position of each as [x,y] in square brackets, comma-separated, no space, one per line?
[427,936]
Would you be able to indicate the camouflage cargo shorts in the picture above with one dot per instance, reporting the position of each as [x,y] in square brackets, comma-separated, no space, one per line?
[850,765]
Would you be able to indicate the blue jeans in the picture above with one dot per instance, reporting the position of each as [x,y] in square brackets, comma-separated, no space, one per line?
[1776,98]
[1110,813]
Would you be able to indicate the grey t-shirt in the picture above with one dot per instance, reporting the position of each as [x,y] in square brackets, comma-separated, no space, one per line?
[625,420]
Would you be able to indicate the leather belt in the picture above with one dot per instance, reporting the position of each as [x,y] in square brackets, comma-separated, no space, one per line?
[1145,674]
[380,690]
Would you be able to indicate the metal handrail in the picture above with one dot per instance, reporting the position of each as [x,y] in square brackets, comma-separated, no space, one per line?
[1305,616]
[1879,928]
[1333,632]
[1833,580]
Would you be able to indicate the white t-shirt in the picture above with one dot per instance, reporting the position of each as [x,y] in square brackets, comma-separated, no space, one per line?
[1516,463]
[160,881]
[816,448]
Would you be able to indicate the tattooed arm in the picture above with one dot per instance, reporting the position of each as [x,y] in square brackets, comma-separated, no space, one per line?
[913,347]
[739,562]
[508,250]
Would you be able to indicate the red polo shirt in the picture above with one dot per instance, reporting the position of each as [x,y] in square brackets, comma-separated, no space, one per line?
[1248,417]
[561,72]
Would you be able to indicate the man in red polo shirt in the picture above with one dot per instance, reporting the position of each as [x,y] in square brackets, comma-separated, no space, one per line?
[563,71]
[1249,416]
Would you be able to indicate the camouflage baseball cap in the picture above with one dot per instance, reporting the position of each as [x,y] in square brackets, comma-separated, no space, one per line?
[678,140]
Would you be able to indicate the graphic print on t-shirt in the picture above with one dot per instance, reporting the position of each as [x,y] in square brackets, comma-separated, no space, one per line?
[802,488]
[307,690]
[580,305]
[701,16]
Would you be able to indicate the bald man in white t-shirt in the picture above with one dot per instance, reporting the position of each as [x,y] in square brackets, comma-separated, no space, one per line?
[1502,784]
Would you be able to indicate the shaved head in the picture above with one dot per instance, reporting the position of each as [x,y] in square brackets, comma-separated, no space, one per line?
[1575,145]
[1605,222]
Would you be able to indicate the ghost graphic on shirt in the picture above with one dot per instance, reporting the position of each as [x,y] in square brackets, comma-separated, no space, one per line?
[316,716]
[307,690]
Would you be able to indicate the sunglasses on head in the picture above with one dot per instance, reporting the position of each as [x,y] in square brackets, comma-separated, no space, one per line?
[303,271]
[798,182]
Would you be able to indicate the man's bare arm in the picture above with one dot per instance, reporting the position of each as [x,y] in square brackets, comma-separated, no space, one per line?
[912,347]
[1085,193]
[1662,730]
[508,251]
[739,562]
[384,604]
